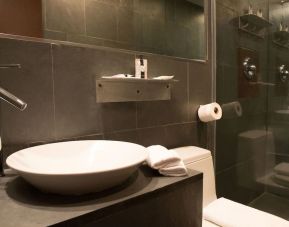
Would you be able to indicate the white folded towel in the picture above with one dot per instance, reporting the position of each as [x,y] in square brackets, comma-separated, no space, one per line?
[176,170]
[168,162]
[159,157]
[163,77]
[119,76]
[226,213]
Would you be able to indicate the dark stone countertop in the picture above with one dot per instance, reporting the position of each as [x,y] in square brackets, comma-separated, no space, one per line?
[23,205]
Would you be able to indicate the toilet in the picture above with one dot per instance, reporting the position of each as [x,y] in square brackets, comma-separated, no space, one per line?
[257,144]
[200,159]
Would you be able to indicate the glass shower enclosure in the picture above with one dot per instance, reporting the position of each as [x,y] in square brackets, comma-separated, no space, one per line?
[252,86]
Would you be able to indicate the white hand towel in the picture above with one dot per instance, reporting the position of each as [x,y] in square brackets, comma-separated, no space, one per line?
[167,162]
[163,77]
[176,170]
[160,157]
[227,213]
[119,76]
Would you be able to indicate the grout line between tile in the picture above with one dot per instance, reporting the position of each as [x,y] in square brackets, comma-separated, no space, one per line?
[53,91]
[170,124]
[254,200]
[117,22]
[84,12]
[136,115]
[45,14]
[279,154]
[188,91]
[233,166]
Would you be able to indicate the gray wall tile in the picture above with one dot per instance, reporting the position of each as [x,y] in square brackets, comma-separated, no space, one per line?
[32,83]
[101,20]
[129,27]
[76,111]
[118,116]
[200,86]
[165,112]
[128,136]
[184,135]
[67,110]
[169,27]
[65,15]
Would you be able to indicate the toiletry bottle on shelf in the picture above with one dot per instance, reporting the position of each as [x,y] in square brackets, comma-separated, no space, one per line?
[259,13]
[141,68]
[250,9]
[281,27]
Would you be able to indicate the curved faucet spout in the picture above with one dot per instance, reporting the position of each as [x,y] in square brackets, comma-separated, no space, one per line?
[19,104]
[12,99]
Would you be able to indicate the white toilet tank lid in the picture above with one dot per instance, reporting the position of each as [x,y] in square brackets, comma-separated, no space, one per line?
[191,154]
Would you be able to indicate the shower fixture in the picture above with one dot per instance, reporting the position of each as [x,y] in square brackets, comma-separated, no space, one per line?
[249,68]
[14,101]
[283,72]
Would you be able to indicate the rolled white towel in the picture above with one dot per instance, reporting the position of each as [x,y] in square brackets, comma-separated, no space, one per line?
[176,170]
[227,213]
[159,157]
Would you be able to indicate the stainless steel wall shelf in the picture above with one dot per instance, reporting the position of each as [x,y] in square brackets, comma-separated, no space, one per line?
[281,38]
[128,90]
[254,25]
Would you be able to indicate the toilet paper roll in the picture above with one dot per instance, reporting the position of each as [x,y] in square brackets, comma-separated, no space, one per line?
[232,110]
[210,112]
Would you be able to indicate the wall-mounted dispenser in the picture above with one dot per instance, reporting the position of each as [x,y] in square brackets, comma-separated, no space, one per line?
[141,68]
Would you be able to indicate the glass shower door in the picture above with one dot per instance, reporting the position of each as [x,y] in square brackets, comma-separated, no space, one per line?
[252,84]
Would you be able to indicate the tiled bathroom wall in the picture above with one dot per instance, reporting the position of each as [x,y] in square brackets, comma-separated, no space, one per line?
[171,27]
[57,80]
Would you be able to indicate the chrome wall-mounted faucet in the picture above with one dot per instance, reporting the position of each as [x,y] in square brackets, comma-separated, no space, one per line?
[14,101]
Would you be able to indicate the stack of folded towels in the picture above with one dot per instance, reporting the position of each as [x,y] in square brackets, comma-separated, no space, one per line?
[167,162]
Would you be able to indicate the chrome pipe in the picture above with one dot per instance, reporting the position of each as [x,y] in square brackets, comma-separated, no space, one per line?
[2,174]
[8,66]
[12,99]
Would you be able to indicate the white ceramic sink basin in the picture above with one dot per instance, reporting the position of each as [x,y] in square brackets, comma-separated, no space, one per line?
[77,167]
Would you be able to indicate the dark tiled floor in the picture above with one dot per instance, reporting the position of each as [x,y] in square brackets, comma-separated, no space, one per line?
[272,204]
